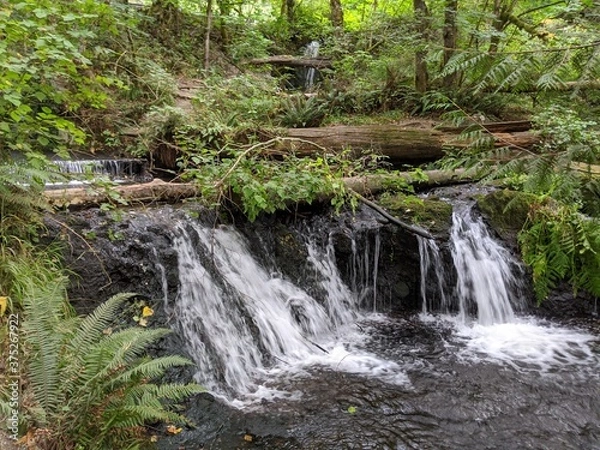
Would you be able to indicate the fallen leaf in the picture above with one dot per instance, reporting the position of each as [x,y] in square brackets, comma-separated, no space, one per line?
[154,438]
[173,429]
[351,409]
[248,438]
[147,311]
[143,322]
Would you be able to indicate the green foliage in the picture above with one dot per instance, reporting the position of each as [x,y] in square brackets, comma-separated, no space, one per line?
[91,385]
[46,71]
[264,185]
[300,112]
[559,243]
[243,101]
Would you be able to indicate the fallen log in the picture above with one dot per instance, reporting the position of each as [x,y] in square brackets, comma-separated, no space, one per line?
[151,192]
[399,144]
[292,61]
[162,191]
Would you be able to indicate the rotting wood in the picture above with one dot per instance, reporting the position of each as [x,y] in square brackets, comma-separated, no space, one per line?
[151,192]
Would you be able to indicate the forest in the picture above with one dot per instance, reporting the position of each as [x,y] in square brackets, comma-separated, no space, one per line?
[264,105]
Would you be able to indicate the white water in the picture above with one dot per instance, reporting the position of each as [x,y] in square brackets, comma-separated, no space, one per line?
[245,326]
[311,51]
[485,272]
[487,287]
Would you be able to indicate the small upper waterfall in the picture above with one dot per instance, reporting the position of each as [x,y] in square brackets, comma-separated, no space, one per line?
[311,51]
[486,283]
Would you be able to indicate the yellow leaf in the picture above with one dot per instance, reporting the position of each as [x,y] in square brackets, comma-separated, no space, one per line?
[3,305]
[248,438]
[154,438]
[147,311]
[143,322]
[173,429]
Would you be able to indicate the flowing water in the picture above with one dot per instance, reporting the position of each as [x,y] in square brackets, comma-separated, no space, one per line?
[117,170]
[325,368]
[311,51]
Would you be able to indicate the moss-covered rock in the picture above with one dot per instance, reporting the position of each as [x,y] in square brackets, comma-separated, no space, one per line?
[506,211]
[430,213]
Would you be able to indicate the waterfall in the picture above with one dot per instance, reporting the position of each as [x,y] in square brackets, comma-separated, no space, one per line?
[486,284]
[311,51]
[115,169]
[240,320]
[433,275]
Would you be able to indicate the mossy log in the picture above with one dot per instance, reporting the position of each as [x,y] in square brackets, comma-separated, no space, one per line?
[162,191]
[399,144]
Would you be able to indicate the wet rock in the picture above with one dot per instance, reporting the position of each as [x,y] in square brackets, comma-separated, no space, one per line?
[430,213]
[506,212]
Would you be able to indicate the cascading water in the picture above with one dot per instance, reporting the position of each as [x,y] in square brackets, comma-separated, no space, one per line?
[311,51]
[118,170]
[489,287]
[486,282]
[485,270]
[365,268]
[240,321]
[303,365]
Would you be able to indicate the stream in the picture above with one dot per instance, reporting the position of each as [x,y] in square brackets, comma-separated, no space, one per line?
[296,333]
[291,371]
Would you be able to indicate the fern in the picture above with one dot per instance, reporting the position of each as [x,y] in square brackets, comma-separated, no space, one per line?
[559,244]
[92,388]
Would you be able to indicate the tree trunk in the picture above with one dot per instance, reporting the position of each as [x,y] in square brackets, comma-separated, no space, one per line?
[337,14]
[292,61]
[450,37]
[288,9]
[400,145]
[209,13]
[423,18]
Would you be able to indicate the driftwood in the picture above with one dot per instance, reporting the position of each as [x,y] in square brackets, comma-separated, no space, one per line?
[292,61]
[162,191]
[399,144]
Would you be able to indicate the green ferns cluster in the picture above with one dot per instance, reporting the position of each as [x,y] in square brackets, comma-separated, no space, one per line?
[559,243]
[91,387]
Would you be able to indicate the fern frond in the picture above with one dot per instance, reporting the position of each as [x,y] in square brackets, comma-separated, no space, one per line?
[148,369]
[91,328]
[114,351]
[45,336]
[173,391]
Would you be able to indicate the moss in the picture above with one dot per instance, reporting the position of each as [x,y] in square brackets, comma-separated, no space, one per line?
[430,213]
[506,211]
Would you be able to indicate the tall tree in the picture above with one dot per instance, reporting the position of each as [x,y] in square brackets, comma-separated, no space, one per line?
[337,13]
[209,14]
[288,10]
[450,37]
[423,20]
